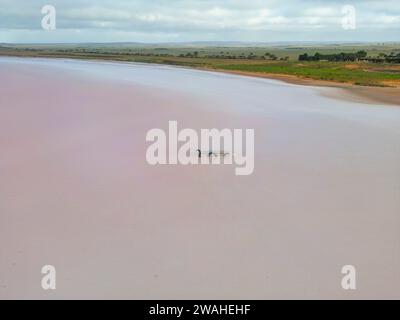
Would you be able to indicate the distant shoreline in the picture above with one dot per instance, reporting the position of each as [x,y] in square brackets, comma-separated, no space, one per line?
[351,92]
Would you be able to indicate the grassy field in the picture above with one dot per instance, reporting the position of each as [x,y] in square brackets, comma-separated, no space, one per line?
[355,73]
[257,59]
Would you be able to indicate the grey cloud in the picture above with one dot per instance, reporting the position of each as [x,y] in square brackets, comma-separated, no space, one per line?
[190,20]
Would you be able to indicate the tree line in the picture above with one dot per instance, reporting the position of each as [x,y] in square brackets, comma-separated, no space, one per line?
[351,57]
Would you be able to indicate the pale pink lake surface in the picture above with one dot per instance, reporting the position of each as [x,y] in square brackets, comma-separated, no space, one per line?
[76,191]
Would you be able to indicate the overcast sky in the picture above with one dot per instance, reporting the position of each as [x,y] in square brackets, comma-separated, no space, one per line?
[199,20]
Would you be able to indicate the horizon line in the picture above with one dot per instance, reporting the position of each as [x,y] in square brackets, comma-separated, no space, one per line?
[206,42]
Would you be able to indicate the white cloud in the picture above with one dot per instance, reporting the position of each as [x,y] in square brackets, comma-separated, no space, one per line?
[218,12]
[190,20]
[95,13]
[322,12]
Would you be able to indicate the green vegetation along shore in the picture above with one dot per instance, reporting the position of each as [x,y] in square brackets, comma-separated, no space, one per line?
[362,65]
